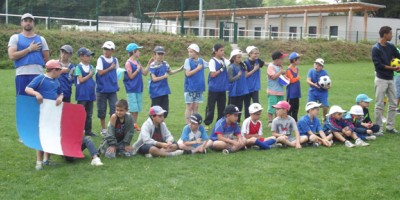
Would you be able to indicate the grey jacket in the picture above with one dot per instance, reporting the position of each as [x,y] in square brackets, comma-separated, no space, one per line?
[146,134]
[109,138]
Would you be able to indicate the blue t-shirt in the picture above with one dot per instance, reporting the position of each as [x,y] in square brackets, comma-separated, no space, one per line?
[189,135]
[314,76]
[48,87]
[66,80]
[221,127]
[305,124]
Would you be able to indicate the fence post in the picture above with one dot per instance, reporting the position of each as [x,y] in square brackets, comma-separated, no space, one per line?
[221,30]
[97,15]
[357,37]
[301,32]
[270,32]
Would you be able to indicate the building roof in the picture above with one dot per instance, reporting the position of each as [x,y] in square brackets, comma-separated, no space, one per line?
[261,11]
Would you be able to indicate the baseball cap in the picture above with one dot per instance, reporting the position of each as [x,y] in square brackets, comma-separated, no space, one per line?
[231,109]
[109,45]
[278,55]
[312,104]
[217,47]
[156,110]
[27,15]
[67,48]
[194,47]
[132,47]
[282,104]
[53,64]
[196,118]
[235,52]
[320,61]
[363,97]
[85,51]
[250,48]
[159,49]
[255,107]
[293,55]
[335,109]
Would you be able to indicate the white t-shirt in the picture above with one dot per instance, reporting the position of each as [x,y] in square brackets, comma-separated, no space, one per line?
[99,65]
[246,126]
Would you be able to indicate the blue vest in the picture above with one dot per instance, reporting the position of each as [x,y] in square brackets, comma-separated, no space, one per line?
[219,83]
[274,84]
[108,82]
[253,81]
[159,88]
[134,85]
[33,57]
[238,87]
[66,81]
[196,82]
[85,91]
[293,90]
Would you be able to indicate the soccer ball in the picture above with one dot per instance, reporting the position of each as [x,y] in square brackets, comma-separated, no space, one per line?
[395,62]
[325,82]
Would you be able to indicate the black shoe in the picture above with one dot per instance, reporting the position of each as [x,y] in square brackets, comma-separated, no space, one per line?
[91,134]
[187,152]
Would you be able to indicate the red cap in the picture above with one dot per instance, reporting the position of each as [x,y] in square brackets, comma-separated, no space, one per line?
[53,64]
[282,104]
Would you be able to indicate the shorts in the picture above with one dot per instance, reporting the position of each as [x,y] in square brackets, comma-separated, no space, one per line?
[273,100]
[193,97]
[21,81]
[145,149]
[134,102]
[397,84]
[319,98]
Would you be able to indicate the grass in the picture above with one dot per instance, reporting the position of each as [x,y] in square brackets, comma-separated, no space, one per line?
[308,173]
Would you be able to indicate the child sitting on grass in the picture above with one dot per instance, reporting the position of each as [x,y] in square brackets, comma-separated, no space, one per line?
[355,117]
[340,128]
[310,126]
[252,129]
[363,100]
[194,137]
[283,126]
[119,133]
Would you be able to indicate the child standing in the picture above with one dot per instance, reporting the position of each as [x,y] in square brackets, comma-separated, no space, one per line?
[226,134]
[283,126]
[46,86]
[363,100]
[237,80]
[85,86]
[133,81]
[310,126]
[194,81]
[158,87]
[194,137]
[106,83]
[217,84]
[341,128]
[293,90]
[253,65]
[119,133]
[316,93]
[355,117]
[252,129]
[68,72]
[275,90]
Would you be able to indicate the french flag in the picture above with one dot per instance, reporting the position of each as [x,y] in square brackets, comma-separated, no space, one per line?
[50,128]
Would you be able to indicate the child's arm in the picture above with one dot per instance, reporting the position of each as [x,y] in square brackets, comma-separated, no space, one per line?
[103,71]
[155,78]
[298,145]
[190,73]
[249,73]
[82,79]
[272,74]
[129,71]
[311,83]
[226,140]
[59,99]
[32,92]
[171,72]
[231,77]
[110,135]
[145,71]
[291,78]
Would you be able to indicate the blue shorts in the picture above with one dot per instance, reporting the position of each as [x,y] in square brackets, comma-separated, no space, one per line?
[134,102]
[21,81]
[319,98]
[273,100]
[193,97]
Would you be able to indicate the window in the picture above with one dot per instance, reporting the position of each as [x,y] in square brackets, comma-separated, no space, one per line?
[333,32]
[241,31]
[257,32]
[312,31]
[292,32]
[274,31]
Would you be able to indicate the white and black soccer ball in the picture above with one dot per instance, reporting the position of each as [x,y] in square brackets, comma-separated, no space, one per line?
[325,82]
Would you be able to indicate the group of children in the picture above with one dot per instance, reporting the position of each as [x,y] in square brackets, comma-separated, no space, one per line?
[240,78]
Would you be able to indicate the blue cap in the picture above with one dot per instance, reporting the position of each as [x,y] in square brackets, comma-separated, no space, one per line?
[85,51]
[132,47]
[293,55]
[363,97]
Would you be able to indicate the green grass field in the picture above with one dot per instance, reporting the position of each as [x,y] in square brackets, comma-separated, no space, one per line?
[309,173]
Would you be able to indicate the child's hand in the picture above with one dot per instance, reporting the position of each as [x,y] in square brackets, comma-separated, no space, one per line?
[128,148]
[112,66]
[298,146]
[111,149]
[240,72]
[326,143]
[369,132]
[256,67]
[150,61]
[316,85]
[39,97]
[58,101]
[90,73]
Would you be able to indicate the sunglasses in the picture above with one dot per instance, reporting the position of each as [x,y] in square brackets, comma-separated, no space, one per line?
[58,69]
[160,54]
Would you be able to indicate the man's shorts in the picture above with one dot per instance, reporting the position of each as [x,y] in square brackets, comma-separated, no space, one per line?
[193,97]
[21,81]
[273,100]
[135,102]
[319,97]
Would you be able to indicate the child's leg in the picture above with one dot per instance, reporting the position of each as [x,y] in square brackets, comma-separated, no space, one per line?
[188,112]
[247,102]
[339,136]
[221,102]
[266,144]
[324,112]
[88,143]
[303,139]
[219,145]
[195,107]
[39,156]
[185,147]
[112,100]
[211,101]
[101,108]
[237,147]
[250,141]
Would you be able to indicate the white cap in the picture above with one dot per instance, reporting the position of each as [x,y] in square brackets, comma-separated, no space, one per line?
[320,61]
[310,105]
[109,45]
[235,52]
[254,107]
[356,110]
[250,48]
[194,47]
[335,109]
[27,15]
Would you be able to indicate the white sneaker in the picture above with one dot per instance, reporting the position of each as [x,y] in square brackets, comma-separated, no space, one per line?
[176,153]
[96,162]
[225,151]
[370,137]
[269,124]
[104,132]
[331,141]
[348,144]
[39,165]
[148,155]
[384,120]
[379,133]
[361,143]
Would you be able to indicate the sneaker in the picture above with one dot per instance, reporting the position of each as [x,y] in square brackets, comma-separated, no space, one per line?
[91,134]
[207,127]
[370,137]
[136,126]
[384,120]
[269,124]
[379,133]
[148,155]
[315,144]
[348,144]
[48,163]
[103,132]
[397,111]
[176,153]
[96,162]
[39,165]
[360,143]
[187,152]
[331,141]
[394,131]
[255,147]
[205,151]
[277,145]
[226,151]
